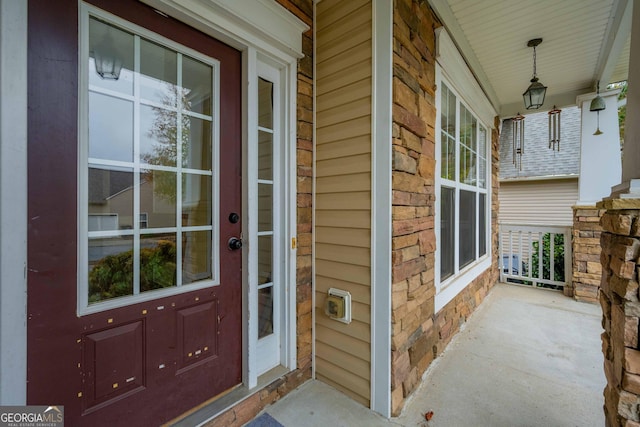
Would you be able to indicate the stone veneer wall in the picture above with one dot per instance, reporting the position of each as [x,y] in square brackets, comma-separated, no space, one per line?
[418,334]
[587,270]
[246,410]
[619,298]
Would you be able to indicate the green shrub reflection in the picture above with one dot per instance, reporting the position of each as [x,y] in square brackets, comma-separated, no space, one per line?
[112,276]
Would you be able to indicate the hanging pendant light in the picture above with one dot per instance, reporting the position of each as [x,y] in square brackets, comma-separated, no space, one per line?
[518,140]
[597,105]
[554,128]
[534,95]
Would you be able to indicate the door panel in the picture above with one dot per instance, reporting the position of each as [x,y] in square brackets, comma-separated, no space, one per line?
[144,363]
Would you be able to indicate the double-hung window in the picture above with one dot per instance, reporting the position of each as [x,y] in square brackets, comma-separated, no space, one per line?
[461,188]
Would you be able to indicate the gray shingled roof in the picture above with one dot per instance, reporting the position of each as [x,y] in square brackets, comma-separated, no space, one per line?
[538,159]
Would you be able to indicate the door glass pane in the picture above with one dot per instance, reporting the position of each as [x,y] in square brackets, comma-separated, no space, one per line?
[265,103]
[158,74]
[265,155]
[164,174]
[265,263]
[106,141]
[196,146]
[158,198]
[467,227]
[157,261]
[265,311]
[482,224]
[158,136]
[447,231]
[110,268]
[196,256]
[113,48]
[265,207]
[196,200]
[110,199]
[197,80]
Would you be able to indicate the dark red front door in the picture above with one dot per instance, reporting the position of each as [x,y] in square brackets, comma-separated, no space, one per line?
[141,363]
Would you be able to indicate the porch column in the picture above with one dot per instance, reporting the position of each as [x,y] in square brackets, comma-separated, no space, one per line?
[600,169]
[600,166]
[13,202]
[621,265]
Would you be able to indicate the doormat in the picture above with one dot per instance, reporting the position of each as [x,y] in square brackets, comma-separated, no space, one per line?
[264,420]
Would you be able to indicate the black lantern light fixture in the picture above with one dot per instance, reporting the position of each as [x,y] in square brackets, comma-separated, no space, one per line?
[597,105]
[107,58]
[534,95]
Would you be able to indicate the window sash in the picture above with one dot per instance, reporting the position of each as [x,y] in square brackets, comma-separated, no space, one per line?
[462,191]
[192,186]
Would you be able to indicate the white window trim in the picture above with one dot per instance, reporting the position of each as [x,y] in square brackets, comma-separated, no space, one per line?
[453,71]
[269,347]
[83,306]
[263,31]
[381,202]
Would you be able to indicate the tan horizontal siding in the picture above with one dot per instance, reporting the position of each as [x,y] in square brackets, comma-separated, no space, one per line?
[343,191]
[337,386]
[343,236]
[336,184]
[538,202]
[348,111]
[343,165]
[337,97]
[351,76]
[344,131]
[349,380]
[340,358]
[344,219]
[344,343]
[357,256]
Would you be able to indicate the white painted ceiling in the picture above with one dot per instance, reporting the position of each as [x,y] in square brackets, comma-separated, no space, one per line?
[583,41]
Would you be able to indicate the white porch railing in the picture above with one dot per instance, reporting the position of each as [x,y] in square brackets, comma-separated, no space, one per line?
[535,255]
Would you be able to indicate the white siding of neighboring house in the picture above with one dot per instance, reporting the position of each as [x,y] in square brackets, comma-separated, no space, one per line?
[543,202]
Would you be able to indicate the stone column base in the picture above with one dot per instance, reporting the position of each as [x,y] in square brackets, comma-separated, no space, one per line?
[620,303]
[586,249]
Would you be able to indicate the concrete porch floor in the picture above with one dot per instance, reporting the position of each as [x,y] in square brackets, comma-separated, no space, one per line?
[526,357]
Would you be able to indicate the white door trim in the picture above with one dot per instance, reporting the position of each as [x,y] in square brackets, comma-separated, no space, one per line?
[13,202]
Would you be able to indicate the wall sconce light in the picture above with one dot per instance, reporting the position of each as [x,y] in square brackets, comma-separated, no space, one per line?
[534,95]
[518,140]
[597,105]
[107,59]
[554,128]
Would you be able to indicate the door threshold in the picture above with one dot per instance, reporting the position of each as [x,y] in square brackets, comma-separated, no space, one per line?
[219,404]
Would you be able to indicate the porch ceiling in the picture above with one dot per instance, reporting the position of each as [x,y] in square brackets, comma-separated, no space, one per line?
[583,41]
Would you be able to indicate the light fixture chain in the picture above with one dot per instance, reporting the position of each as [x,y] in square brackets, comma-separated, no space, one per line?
[534,61]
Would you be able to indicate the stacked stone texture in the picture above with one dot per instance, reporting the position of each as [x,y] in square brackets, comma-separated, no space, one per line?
[418,334]
[587,270]
[619,298]
[246,410]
